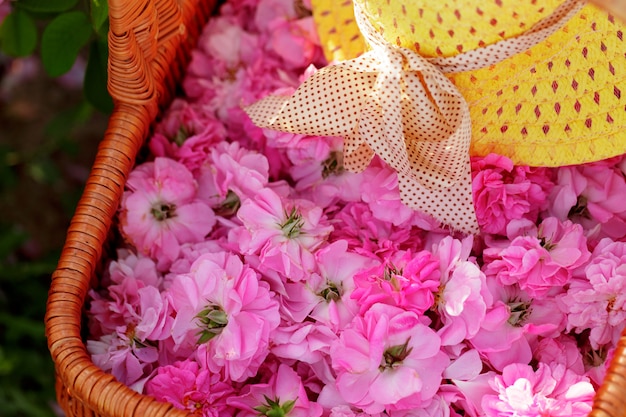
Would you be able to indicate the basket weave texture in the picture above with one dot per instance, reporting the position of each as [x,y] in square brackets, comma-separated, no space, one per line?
[149,46]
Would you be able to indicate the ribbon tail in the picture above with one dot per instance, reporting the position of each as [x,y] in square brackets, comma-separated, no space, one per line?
[452,206]
[264,112]
[326,104]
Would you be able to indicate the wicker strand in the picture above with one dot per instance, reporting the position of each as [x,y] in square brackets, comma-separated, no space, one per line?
[146,60]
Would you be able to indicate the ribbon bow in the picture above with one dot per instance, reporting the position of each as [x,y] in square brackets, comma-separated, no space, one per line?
[393,102]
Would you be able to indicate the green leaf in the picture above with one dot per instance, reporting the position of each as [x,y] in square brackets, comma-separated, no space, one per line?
[95,83]
[18,34]
[62,40]
[46,6]
[99,13]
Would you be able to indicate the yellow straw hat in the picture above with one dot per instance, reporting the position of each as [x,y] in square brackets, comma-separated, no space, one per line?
[557,103]
[425,84]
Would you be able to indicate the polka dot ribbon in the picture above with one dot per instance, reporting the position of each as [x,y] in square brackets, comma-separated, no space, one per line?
[396,104]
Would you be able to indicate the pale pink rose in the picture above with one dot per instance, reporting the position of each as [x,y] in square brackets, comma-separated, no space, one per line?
[337,266]
[369,236]
[406,280]
[511,324]
[298,299]
[137,266]
[462,297]
[388,360]
[325,296]
[550,390]
[562,349]
[468,394]
[380,190]
[231,174]
[541,258]
[596,300]
[267,11]
[190,387]
[503,192]
[295,41]
[437,407]
[283,395]
[591,194]
[222,302]
[120,354]
[347,411]
[160,210]
[187,134]
[319,172]
[242,45]
[464,382]
[306,342]
[130,304]
[189,252]
[284,233]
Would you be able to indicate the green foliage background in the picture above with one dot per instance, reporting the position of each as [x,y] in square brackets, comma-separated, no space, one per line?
[35,187]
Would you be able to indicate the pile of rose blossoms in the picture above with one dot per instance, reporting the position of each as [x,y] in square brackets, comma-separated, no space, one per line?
[260,278]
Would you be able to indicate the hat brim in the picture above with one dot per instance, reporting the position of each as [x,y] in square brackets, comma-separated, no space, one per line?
[559,103]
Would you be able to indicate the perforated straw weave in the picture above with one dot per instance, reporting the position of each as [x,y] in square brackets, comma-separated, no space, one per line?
[149,45]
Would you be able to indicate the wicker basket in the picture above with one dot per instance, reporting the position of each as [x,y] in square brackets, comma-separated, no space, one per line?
[149,46]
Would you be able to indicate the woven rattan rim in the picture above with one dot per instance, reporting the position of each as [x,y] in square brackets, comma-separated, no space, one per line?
[149,46]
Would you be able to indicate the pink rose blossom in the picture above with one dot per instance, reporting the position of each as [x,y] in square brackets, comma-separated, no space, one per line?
[596,300]
[591,195]
[407,280]
[388,360]
[325,296]
[563,350]
[504,192]
[231,174]
[380,190]
[540,258]
[283,233]
[307,342]
[511,324]
[160,210]
[186,134]
[189,387]
[126,278]
[555,391]
[462,298]
[370,236]
[283,395]
[129,360]
[222,302]
[295,41]
[319,172]
[335,283]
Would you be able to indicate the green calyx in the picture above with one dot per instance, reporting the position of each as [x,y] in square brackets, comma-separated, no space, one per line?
[394,355]
[330,292]
[211,321]
[162,211]
[292,226]
[520,310]
[333,165]
[272,408]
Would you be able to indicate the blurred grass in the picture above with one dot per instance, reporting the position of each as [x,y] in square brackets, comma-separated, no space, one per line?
[48,139]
